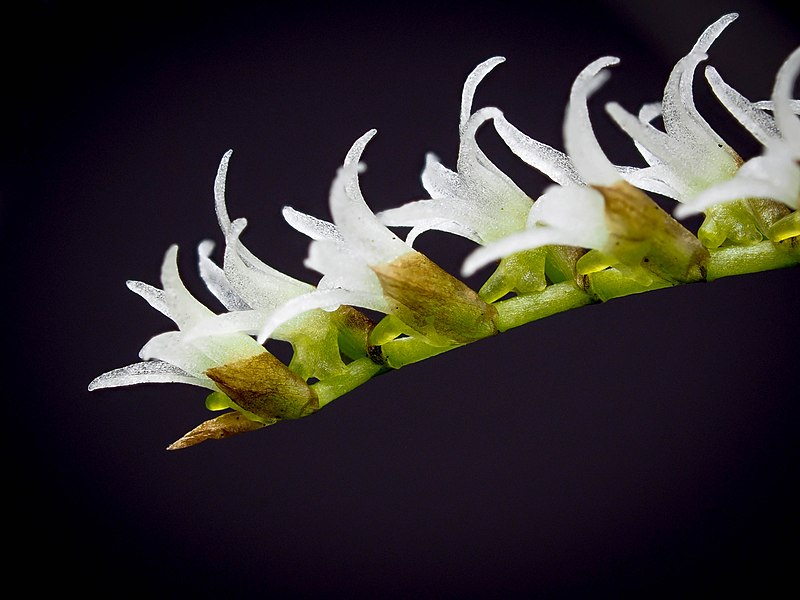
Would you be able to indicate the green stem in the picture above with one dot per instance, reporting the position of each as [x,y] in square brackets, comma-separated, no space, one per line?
[554,299]
[557,297]
[355,374]
[739,260]
[407,350]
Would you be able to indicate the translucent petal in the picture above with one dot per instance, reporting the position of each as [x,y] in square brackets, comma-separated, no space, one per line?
[581,144]
[478,199]
[341,267]
[184,308]
[578,211]
[681,118]
[511,244]
[487,184]
[658,148]
[755,120]
[315,228]
[155,371]
[247,322]
[441,182]
[441,225]
[569,216]
[774,176]
[656,179]
[327,299]
[471,84]
[225,222]
[551,162]
[769,105]
[258,284]
[788,124]
[170,347]
[359,226]
[197,354]
[215,279]
[219,193]
[443,214]
[153,295]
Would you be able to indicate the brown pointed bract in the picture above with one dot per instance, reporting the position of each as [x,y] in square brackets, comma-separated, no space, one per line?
[224,426]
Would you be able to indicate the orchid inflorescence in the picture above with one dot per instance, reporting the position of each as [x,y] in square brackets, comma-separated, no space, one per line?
[593,235]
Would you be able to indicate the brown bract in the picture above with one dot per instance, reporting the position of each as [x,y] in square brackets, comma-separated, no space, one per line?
[442,308]
[264,386]
[224,426]
[641,230]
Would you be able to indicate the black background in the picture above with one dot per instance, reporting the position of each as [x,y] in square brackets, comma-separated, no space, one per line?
[645,447]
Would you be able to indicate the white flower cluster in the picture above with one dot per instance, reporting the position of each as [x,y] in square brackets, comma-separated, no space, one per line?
[593,206]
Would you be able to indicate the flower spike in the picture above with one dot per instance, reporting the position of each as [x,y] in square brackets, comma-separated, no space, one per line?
[590,237]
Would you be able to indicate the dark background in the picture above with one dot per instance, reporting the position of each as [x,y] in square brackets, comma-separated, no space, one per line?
[642,447]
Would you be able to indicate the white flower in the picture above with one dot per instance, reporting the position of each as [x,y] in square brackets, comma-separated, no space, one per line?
[775,174]
[688,156]
[572,214]
[478,202]
[364,264]
[173,357]
[251,290]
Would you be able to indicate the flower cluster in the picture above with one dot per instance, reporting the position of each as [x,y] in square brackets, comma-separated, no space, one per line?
[594,234]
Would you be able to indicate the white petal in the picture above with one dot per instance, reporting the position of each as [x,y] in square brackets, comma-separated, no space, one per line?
[471,84]
[155,371]
[171,347]
[153,295]
[588,157]
[657,179]
[184,308]
[247,322]
[219,193]
[341,267]
[452,215]
[258,284]
[215,279]
[479,202]
[315,228]
[359,226]
[442,225]
[681,118]
[774,176]
[487,184]
[569,215]
[788,124]
[516,242]
[677,163]
[441,182]
[327,299]
[551,162]
[755,120]
[576,210]
[769,105]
